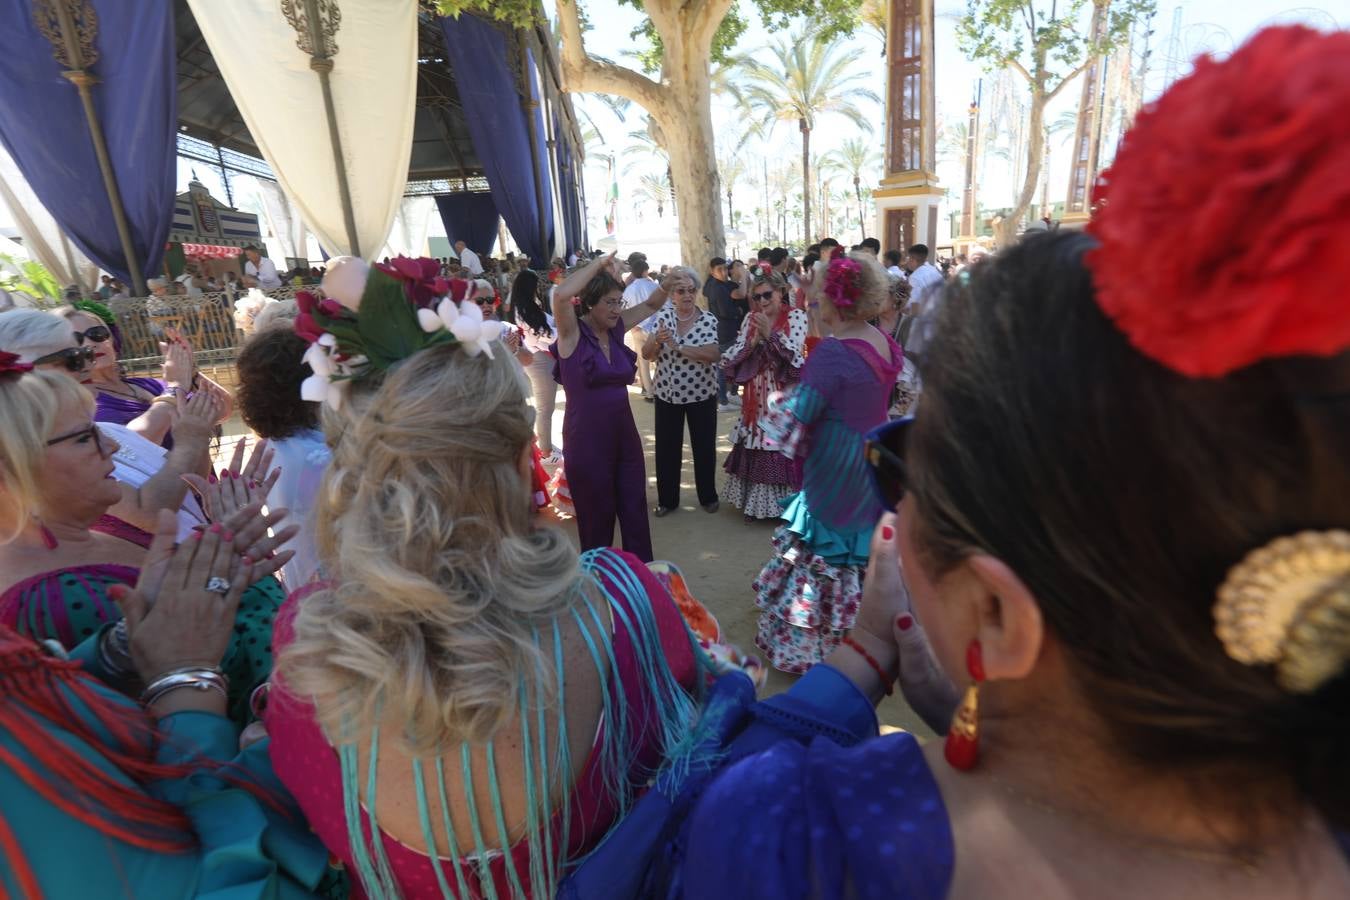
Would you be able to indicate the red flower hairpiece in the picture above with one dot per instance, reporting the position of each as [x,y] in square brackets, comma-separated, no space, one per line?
[10,365]
[421,279]
[843,281]
[1235,183]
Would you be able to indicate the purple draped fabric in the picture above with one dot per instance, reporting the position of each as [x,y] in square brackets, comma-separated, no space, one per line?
[486,81]
[471,218]
[122,410]
[43,126]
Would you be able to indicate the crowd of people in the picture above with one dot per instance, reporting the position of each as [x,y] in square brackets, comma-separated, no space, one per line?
[1093,520]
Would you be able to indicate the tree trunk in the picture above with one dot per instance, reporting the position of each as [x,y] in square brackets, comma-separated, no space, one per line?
[1006,231]
[806,182]
[857,192]
[1045,180]
[731,210]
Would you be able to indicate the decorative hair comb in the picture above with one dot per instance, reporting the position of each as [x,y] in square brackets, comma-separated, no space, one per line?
[372,318]
[1287,604]
[10,364]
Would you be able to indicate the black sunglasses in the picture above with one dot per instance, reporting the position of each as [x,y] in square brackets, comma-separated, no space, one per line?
[98,334]
[91,431]
[884,451]
[73,358]
[763,295]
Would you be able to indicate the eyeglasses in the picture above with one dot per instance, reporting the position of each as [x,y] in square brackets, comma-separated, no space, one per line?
[683,290]
[73,358]
[763,295]
[613,304]
[98,334]
[884,451]
[87,433]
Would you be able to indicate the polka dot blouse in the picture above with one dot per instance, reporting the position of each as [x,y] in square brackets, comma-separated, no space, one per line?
[678,378]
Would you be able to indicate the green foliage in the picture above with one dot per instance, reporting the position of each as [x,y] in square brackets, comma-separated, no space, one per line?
[811,74]
[520,13]
[32,278]
[1047,39]
[387,331]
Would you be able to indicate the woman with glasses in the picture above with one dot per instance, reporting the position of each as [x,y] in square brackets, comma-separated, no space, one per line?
[63,556]
[810,591]
[767,358]
[683,343]
[143,404]
[605,468]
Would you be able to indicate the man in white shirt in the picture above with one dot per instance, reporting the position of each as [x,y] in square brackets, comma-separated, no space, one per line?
[261,269]
[189,280]
[925,297]
[640,287]
[468,259]
[893,258]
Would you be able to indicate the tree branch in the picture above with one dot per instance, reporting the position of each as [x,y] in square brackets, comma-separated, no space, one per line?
[1020,70]
[1067,78]
[582,73]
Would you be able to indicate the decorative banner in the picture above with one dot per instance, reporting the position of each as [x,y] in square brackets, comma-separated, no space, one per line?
[471,218]
[42,236]
[373,45]
[127,45]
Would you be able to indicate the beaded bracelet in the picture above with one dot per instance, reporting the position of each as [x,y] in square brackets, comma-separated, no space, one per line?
[199,678]
[886,680]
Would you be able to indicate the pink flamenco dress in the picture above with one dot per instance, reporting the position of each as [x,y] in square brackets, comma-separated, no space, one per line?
[809,593]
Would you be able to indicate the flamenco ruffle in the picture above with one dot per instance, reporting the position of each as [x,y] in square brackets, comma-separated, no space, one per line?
[807,604]
[758,501]
[838,548]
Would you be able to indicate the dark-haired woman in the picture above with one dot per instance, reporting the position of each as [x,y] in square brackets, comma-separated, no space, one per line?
[528,311]
[606,470]
[271,369]
[1161,661]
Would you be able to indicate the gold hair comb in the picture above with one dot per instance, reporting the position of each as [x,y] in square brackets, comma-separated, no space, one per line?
[1287,604]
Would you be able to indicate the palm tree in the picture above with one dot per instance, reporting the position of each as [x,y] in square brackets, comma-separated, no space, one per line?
[731,170]
[656,189]
[810,78]
[1063,124]
[854,157]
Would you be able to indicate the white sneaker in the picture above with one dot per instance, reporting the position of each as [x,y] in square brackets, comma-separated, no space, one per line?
[725,407]
[734,400]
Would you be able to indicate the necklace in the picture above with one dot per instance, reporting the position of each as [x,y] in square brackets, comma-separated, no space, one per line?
[689,318]
[1248,859]
[132,395]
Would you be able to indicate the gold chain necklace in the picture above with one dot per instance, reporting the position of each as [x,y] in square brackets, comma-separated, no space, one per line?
[1247,859]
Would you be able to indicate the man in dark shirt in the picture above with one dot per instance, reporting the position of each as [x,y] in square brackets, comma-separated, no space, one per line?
[727,301]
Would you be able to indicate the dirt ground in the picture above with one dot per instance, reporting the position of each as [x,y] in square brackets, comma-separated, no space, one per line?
[719,554]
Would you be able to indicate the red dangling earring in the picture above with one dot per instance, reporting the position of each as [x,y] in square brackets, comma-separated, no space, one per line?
[962,748]
[48,539]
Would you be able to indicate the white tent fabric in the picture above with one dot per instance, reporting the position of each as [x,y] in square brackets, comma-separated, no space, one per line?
[374,81]
[408,236]
[43,239]
[286,223]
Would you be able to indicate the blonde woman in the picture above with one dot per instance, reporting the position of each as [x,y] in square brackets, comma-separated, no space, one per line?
[466,688]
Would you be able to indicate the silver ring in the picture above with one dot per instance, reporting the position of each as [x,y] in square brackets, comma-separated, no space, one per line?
[218,585]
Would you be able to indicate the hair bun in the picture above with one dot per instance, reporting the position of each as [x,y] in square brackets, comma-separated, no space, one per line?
[1222,219]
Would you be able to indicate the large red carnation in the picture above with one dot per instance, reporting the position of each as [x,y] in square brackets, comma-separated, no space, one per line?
[1224,221]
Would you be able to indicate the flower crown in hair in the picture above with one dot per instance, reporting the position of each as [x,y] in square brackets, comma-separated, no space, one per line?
[1239,177]
[10,364]
[372,318]
[843,282]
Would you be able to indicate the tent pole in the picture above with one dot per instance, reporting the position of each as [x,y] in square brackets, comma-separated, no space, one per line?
[322,63]
[529,104]
[83,81]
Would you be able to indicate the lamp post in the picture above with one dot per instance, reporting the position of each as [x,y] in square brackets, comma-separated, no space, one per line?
[73,48]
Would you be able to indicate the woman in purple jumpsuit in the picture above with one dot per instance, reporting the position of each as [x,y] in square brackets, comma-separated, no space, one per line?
[605,469]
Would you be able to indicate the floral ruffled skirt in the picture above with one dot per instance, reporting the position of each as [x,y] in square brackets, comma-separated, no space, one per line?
[807,603]
[760,482]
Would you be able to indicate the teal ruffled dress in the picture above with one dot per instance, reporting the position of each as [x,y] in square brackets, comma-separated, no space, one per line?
[809,593]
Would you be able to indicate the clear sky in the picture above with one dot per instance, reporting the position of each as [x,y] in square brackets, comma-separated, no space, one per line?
[1204,25]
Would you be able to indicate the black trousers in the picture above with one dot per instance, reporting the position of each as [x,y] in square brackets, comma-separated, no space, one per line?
[670,419]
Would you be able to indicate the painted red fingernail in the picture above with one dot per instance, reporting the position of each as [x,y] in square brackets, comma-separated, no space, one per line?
[887,533]
[904,622]
[246,560]
[118,591]
[212,479]
[197,535]
[216,529]
[271,554]
[227,536]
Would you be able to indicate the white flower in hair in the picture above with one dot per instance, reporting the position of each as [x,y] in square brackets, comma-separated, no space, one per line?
[473,332]
[319,388]
[345,280]
[442,317]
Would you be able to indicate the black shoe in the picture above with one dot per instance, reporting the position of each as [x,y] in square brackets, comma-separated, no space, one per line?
[711,507]
[662,511]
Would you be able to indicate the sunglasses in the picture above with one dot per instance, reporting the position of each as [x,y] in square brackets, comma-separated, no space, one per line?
[763,295]
[73,358]
[98,334]
[90,432]
[884,451]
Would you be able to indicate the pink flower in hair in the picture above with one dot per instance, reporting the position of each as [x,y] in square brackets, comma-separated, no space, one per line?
[843,282]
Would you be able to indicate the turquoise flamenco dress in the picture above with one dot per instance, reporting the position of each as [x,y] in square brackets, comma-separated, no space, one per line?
[99,801]
[809,593]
